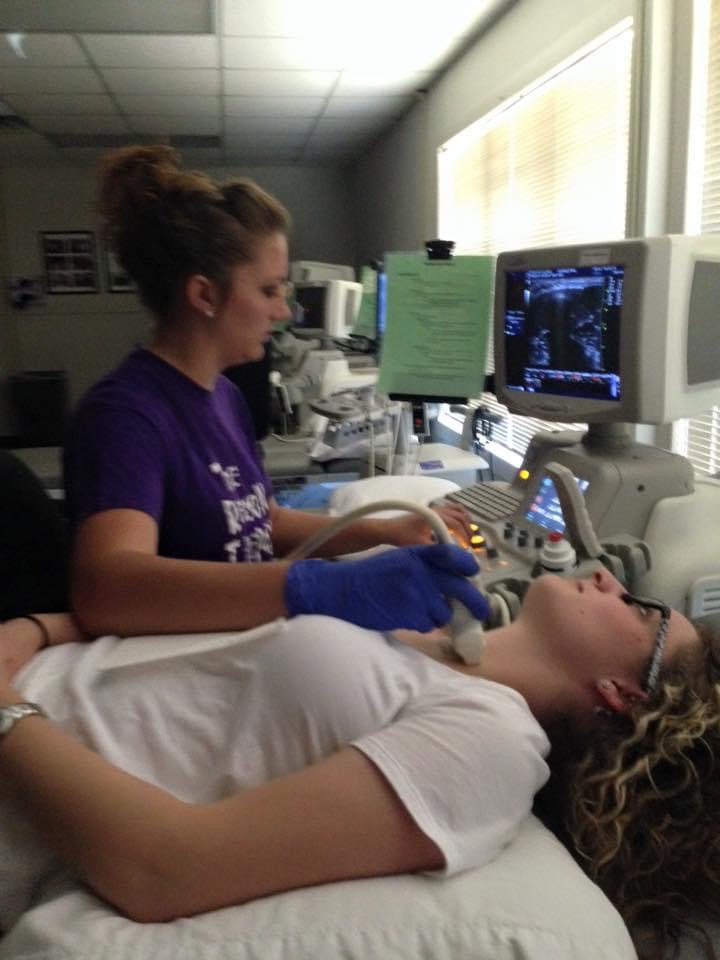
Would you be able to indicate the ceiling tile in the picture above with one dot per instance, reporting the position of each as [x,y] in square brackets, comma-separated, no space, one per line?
[350,126]
[267,140]
[107,16]
[366,106]
[78,124]
[265,156]
[336,153]
[273,106]
[279,83]
[364,83]
[41,50]
[177,82]
[155,103]
[271,18]
[49,80]
[201,156]
[62,103]
[279,53]
[250,125]
[388,56]
[341,24]
[89,71]
[156,51]
[174,124]
[342,152]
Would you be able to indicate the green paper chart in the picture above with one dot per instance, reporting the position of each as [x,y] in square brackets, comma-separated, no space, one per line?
[439,316]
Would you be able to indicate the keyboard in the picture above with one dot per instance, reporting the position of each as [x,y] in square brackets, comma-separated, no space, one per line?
[486,501]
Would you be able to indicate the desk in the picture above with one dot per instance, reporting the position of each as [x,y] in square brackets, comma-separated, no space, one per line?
[290,468]
[431,459]
[441,460]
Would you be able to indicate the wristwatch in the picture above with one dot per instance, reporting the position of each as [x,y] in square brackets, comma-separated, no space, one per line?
[10,713]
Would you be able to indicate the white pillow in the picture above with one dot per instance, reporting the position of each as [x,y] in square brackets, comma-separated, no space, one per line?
[357,493]
[531,903]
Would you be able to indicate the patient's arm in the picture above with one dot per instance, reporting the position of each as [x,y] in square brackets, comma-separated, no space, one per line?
[156,858]
[21,638]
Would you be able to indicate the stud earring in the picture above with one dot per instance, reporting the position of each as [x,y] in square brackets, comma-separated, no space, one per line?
[209,314]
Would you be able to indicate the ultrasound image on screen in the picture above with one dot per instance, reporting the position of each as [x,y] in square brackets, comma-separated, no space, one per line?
[565,325]
[562,331]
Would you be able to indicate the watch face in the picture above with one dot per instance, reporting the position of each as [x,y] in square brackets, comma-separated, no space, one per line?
[12,712]
[8,716]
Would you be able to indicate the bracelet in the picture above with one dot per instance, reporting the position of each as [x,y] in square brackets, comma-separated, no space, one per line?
[41,626]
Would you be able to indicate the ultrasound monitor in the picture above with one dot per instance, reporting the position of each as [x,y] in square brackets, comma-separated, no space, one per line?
[609,332]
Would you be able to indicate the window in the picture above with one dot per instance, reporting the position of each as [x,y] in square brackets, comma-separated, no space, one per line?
[549,166]
[698,439]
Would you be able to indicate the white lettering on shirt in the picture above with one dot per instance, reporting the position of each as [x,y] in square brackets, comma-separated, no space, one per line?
[247,545]
[229,475]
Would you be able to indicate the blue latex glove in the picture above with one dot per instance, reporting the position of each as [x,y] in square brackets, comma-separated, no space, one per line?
[406,587]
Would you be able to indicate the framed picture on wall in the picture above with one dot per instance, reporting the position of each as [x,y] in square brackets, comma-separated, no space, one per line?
[117,279]
[69,261]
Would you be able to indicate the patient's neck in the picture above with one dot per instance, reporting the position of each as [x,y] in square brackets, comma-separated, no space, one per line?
[511,657]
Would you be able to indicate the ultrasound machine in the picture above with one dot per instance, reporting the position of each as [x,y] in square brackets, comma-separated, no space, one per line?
[608,334]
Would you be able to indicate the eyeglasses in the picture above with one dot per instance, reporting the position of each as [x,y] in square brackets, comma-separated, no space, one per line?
[648,603]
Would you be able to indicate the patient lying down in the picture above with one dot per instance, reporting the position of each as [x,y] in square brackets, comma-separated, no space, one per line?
[227,767]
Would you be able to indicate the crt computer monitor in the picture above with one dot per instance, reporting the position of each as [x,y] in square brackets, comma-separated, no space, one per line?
[328,308]
[625,331]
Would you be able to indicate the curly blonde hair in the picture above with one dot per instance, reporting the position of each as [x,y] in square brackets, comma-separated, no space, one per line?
[166,223]
[644,805]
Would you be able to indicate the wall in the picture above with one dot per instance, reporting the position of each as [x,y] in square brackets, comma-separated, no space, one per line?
[9,345]
[396,182]
[87,334]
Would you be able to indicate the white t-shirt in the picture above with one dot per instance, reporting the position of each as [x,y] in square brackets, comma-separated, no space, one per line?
[207,716]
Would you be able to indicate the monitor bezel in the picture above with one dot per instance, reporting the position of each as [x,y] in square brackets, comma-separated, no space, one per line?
[632,256]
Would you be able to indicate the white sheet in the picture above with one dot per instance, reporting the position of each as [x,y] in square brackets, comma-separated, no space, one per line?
[532,901]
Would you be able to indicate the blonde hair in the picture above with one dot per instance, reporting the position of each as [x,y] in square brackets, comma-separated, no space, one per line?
[644,805]
[166,224]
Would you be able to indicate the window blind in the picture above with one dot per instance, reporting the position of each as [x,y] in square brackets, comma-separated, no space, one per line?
[549,166]
[698,439]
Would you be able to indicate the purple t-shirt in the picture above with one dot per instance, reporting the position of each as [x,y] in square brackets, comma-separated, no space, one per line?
[148,438]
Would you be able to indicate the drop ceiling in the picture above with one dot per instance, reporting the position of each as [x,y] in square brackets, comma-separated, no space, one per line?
[230,82]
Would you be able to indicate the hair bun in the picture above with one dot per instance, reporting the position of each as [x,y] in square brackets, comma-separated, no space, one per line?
[133,178]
